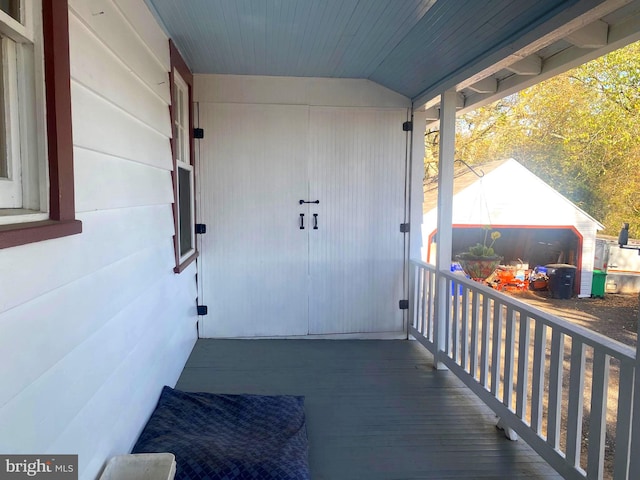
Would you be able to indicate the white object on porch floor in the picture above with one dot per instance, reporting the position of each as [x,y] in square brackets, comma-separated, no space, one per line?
[141,466]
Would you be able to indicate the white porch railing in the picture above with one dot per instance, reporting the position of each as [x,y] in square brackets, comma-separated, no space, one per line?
[554,383]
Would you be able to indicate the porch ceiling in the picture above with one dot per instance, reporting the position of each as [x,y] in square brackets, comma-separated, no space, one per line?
[415,47]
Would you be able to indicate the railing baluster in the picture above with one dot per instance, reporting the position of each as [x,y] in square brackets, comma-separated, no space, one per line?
[464,360]
[415,300]
[634,461]
[430,306]
[537,390]
[598,414]
[623,424]
[523,367]
[475,313]
[555,388]
[447,324]
[433,306]
[576,397]
[509,347]
[496,347]
[484,350]
[455,322]
[423,317]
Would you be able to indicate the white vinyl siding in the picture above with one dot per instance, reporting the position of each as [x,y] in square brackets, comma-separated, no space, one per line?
[97,321]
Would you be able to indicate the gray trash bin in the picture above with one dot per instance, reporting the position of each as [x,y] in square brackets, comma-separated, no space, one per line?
[561,279]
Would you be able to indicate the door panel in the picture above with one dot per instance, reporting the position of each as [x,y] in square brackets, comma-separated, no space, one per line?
[356,170]
[253,266]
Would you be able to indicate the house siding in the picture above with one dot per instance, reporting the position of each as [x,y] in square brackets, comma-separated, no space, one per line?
[93,325]
[327,92]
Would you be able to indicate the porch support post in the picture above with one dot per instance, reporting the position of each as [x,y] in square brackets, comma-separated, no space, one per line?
[634,459]
[416,199]
[417,179]
[448,104]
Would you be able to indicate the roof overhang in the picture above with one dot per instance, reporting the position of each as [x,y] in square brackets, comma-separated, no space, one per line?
[604,29]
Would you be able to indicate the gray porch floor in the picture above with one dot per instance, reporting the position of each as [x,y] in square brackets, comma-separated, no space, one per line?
[375,409]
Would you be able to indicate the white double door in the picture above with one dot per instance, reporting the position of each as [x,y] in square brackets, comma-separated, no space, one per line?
[260,273]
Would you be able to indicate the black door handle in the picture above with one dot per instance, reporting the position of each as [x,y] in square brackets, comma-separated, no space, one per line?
[315,221]
[302,221]
[305,201]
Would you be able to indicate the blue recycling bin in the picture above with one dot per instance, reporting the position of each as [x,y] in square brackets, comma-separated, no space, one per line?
[457,268]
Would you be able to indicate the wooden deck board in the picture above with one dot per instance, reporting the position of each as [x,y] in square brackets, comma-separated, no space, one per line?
[375,409]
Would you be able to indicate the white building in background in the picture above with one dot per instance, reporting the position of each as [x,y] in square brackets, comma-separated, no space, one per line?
[537,224]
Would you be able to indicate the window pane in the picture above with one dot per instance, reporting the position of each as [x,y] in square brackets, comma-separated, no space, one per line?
[178,143]
[180,107]
[183,146]
[184,210]
[12,8]
[181,119]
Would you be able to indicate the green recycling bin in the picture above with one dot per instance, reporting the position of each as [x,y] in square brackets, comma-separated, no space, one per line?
[598,283]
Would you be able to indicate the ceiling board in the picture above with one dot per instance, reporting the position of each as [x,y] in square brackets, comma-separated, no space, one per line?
[410,46]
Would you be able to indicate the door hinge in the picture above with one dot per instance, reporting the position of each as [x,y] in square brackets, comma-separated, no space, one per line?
[403,304]
[201,228]
[407,127]
[202,310]
[198,133]
[404,227]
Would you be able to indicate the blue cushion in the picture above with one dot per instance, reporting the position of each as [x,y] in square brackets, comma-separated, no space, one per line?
[229,437]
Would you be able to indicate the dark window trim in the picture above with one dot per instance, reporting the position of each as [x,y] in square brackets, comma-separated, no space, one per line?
[62,221]
[178,63]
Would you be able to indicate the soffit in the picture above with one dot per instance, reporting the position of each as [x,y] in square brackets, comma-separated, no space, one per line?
[414,47]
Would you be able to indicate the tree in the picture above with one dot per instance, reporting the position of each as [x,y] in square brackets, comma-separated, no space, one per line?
[578,131]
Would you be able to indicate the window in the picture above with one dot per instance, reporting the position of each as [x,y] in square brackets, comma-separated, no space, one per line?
[183,172]
[20,45]
[36,146]
[185,207]
[183,168]
[10,165]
